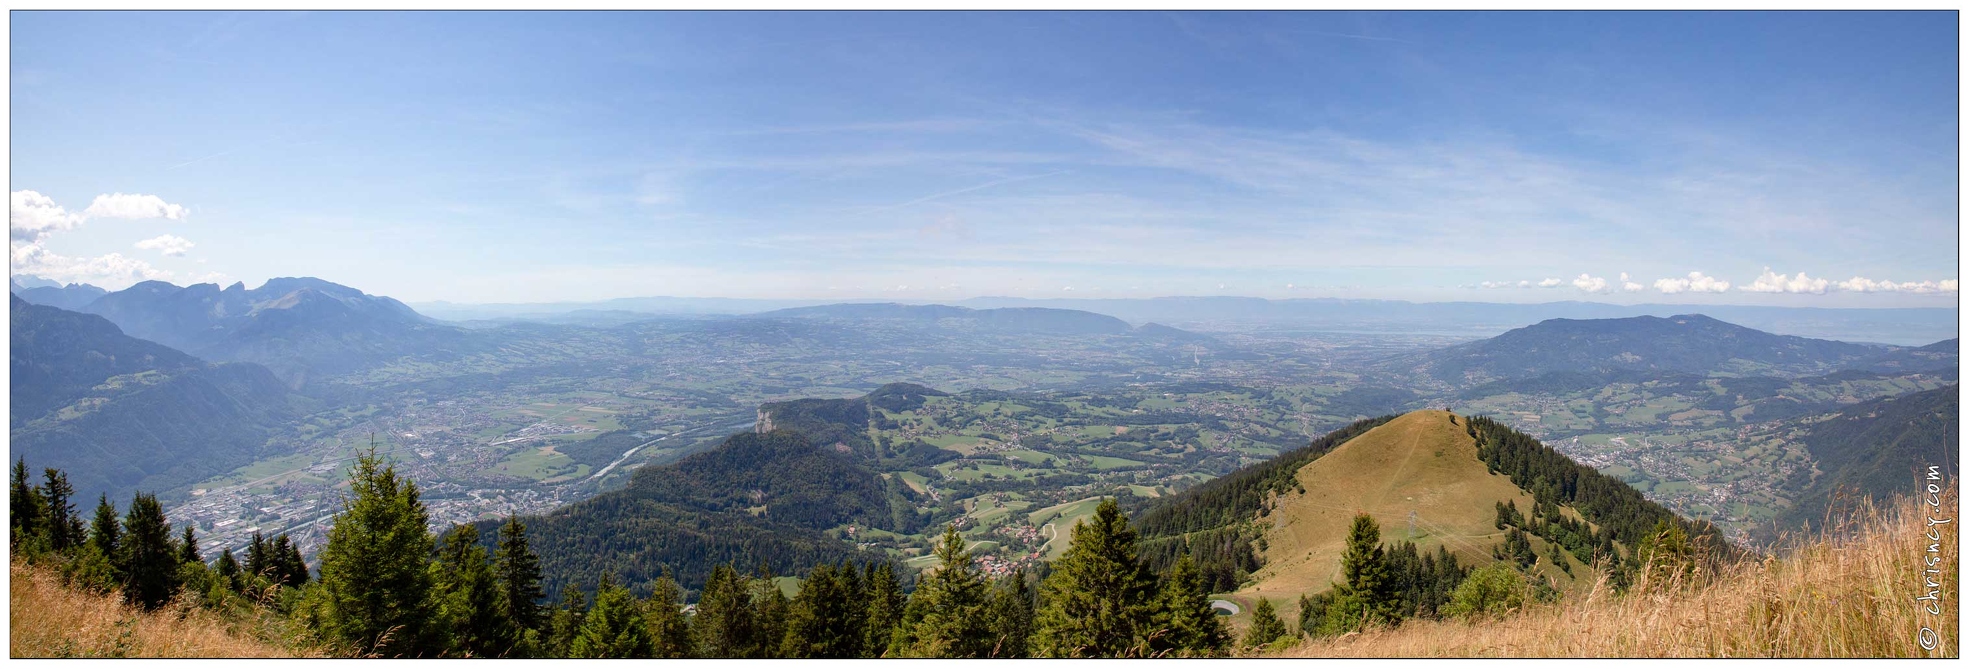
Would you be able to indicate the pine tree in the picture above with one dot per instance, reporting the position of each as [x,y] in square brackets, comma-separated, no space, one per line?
[1100,600]
[613,628]
[282,563]
[257,564]
[106,535]
[566,621]
[826,616]
[723,627]
[670,632]
[229,568]
[769,612]
[1011,617]
[1366,570]
[294,567]
[519,575]
[470,596]
[149,560]
[946,617]
[188,548]
[64,526]
[1265,625]
[883,610]
[1187,626]
[26,507]
[373,570]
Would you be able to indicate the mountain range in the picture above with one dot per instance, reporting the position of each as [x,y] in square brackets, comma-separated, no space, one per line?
[42,291]
[1905,326]
[300,328]
[1007,320]
[159,386]
[121,414]
[1686,343]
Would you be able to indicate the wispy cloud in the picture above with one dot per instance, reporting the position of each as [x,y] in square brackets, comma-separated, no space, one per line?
[961,191]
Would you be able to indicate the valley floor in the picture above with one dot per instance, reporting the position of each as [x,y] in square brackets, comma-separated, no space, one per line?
[1856,596]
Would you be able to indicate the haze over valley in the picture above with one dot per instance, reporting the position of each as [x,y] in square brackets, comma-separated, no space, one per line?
[669,334]
[1034,407]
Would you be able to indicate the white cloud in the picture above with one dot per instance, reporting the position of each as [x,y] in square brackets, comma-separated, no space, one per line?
[1591,284]
[1547,283]
[1772,282]
[134,206]
[1865,285]
[113,271]
[170,245]
[1695,283]
[33,216]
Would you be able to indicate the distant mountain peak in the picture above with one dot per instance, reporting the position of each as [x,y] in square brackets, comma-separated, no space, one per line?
[1687,343]
[298,326]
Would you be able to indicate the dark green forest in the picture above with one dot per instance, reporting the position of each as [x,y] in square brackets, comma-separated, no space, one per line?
[386,587]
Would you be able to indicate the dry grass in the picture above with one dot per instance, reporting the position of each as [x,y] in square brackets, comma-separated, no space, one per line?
[1850,593]
[50,620]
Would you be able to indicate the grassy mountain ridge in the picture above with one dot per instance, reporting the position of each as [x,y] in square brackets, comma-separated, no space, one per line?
[1429,477]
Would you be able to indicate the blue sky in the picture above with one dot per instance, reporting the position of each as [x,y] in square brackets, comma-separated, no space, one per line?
[518,157]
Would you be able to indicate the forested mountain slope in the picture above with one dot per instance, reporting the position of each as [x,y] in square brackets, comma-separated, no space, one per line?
[120,413]
[758,499]
[1878,450]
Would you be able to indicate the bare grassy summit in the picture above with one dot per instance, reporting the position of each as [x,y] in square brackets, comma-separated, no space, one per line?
[1420,471]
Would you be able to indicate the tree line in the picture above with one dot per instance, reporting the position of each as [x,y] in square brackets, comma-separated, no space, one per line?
[1214,523]
[1623,515]
[386,586]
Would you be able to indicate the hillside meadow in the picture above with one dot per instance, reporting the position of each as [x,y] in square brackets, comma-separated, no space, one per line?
[49,620]
[1852,591]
